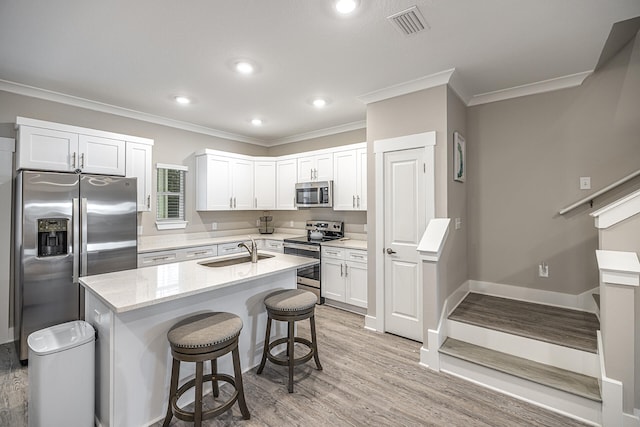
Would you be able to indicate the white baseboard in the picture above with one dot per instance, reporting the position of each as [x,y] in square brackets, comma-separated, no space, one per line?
[425,357]
[558,299]
[630,420]
[370,323]
[567,404]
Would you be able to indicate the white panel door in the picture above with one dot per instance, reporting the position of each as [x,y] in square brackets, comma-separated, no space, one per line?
[345,180]
[265,185]
[324,167]
[404,224]
[333,283]
[139,166]
[47,149]
[286,176]
[242,181]
[101,155]
[218,185]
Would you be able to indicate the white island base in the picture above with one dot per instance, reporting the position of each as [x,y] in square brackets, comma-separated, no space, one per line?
[133,360]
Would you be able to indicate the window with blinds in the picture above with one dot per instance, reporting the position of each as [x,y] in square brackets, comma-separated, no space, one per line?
[170,194]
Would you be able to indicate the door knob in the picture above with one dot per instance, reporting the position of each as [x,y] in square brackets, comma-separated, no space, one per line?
[390,251]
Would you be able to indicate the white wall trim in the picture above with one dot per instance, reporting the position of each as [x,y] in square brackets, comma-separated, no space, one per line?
[558,299]
[617,211]
[432,242]
[362,124]
[421,83]
[619,268]
[564,82]
[370,323]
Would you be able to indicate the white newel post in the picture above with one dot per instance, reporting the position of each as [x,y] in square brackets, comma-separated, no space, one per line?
[619,281]
[430,251]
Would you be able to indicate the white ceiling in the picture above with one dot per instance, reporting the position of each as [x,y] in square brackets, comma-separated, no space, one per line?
[137,55]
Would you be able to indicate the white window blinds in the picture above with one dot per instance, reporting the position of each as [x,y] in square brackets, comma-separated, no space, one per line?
[170,193]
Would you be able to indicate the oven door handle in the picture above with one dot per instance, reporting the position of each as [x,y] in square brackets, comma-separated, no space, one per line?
[311,248]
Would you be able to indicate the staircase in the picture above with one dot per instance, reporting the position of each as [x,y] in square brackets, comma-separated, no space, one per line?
[543,354]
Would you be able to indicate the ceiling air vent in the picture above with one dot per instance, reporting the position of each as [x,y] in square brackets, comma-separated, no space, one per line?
[409,21]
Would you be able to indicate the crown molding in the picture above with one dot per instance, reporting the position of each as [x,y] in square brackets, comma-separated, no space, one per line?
[74,101]
[319,133]
[422,83]
[550,85]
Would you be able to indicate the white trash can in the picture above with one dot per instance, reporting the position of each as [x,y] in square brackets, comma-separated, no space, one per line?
[61,375]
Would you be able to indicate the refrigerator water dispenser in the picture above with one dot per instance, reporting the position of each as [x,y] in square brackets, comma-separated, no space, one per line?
[52,237]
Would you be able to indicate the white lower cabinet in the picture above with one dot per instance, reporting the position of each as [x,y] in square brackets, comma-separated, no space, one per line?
[148,259]
[344,275]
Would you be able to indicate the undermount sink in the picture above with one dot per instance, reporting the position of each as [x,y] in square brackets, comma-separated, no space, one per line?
[234,261]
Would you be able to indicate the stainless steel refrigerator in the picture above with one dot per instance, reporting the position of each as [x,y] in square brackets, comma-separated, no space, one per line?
[66,226]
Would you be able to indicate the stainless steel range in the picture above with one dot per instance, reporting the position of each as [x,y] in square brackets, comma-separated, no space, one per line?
[309,278]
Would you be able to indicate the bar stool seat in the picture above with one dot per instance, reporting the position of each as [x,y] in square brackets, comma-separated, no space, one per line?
[290,306]
[202,337]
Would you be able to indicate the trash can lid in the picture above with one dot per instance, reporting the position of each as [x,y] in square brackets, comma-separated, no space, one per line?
[60,337]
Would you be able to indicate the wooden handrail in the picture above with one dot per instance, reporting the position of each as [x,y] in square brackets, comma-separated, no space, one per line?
[590,198]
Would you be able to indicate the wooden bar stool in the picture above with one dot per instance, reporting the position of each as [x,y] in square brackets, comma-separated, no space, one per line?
[199,338]
[290,306]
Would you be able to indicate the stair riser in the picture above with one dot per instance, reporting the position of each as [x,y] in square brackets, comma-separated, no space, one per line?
[550,354]
[577,407]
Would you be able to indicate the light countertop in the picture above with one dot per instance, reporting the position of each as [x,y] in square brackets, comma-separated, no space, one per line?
[347,244]
[188,240]
[128,290]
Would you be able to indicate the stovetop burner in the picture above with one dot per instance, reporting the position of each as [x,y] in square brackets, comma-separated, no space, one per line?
[330,230]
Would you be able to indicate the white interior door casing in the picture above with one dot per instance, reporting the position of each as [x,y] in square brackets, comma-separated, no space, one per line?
[404,223]
[404,204]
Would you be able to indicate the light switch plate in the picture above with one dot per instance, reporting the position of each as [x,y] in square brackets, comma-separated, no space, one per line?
[585,183]
[214,226]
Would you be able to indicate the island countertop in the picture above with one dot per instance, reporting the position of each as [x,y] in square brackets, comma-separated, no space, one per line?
[128,290]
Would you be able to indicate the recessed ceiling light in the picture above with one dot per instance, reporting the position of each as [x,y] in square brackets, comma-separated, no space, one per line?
[244,67]
[345,7]
[182,100]
[319,102]
[256,122]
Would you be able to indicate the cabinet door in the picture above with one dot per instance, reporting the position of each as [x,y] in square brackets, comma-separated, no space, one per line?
[213,186]
[324,167]
[356,284]
[286,177]
[345,181]
[306,168]
[242,182]
[101,155]
[361,203]
[47,149]
[265,185]
[333,284]
[138,165]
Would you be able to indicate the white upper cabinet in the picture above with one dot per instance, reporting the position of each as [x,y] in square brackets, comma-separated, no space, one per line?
[318,167]
[138,165]
[224,183]
[286,178]
[101,155]
[58,147]
[350,180]
[265,184]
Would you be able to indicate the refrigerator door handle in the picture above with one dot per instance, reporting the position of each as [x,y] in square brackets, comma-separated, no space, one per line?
[76,240]
[83,222]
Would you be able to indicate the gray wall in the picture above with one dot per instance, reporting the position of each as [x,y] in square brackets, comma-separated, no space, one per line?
[525,159]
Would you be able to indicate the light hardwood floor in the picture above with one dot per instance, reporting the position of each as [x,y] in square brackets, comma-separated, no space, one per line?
[368,379]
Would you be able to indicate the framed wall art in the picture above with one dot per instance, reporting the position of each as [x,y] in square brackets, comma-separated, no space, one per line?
[459,159]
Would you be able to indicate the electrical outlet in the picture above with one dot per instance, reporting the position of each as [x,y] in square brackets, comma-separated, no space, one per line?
[365,228]
[214,226]
[458,223]
[585,183]
[290,223]
[257,223]
[139,230]
[543,269]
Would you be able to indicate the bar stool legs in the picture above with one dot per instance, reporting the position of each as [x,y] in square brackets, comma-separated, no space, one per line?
[290,306]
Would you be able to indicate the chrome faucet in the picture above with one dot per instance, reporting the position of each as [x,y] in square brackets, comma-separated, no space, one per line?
[253,251]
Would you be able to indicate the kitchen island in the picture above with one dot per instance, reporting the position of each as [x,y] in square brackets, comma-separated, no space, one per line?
[132,311]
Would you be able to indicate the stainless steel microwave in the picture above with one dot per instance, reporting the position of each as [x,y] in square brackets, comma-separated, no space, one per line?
[317,194]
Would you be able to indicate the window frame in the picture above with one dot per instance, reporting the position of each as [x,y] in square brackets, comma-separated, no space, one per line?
[171,223]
